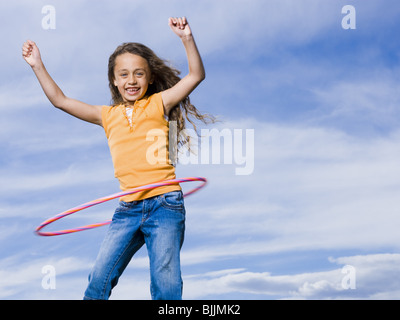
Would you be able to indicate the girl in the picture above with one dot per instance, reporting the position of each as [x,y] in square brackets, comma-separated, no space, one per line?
[144,92]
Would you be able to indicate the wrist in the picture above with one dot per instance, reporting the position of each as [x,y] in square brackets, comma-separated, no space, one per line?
[187,38]
[37,66]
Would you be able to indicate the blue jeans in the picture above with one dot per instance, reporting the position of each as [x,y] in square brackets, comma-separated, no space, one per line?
[158,222]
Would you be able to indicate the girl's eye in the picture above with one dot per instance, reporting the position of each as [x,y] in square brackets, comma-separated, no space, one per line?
[139,74]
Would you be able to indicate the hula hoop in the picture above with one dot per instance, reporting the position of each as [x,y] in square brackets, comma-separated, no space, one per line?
[108,198]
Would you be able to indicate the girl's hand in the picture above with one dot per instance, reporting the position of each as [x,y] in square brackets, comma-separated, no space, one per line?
[31,54]
[180,27]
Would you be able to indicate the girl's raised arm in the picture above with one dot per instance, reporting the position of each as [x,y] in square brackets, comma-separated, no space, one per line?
[171,97]
[81,110]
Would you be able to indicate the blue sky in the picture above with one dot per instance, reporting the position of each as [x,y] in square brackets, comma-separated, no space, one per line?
[324,106]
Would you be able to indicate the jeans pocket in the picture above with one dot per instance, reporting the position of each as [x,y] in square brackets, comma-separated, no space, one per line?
[125,207]
[172,200]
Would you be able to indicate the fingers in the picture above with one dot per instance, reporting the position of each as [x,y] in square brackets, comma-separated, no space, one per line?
[178,22]
[27,48]
[29,43]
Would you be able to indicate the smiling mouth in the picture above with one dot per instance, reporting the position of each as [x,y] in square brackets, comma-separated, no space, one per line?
[132,91]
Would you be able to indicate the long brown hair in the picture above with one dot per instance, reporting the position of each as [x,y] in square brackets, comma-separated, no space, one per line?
[164,77]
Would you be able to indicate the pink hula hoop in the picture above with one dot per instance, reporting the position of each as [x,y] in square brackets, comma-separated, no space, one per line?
[108,198]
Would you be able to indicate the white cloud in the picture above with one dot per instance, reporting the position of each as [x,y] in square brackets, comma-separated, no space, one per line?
[74,175]
[374,275]
[82,29]
[360,103]
[23,279]
[11,99]
[374,278]
[310,185]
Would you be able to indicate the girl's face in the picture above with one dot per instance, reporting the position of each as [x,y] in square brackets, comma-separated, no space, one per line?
[132,77]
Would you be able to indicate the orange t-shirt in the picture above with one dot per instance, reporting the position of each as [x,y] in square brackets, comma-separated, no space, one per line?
[139,146]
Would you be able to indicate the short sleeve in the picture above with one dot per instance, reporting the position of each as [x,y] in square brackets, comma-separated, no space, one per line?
[157,100]
[104,118]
